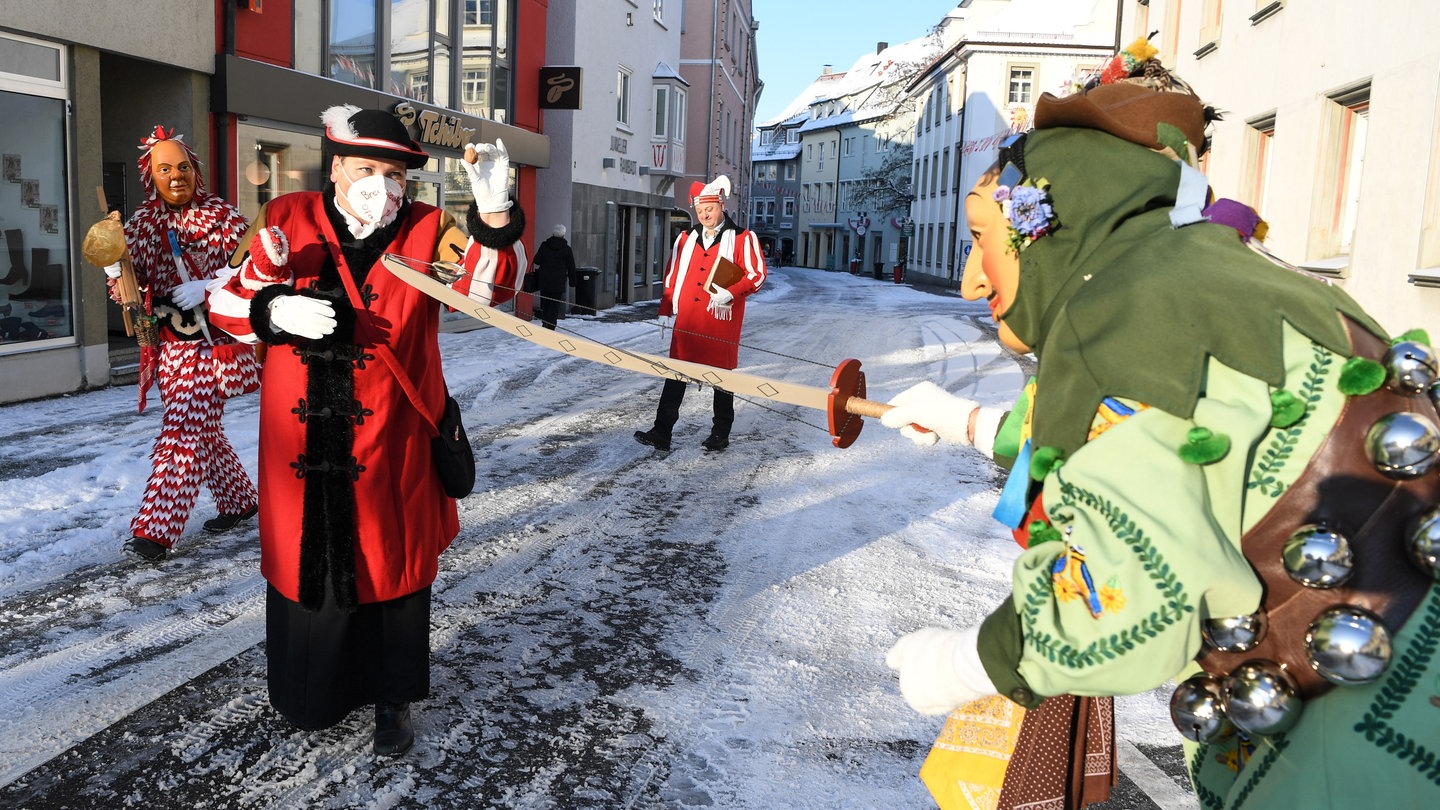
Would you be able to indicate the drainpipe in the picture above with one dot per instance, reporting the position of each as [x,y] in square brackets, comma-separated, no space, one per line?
[710,117]
[222,117]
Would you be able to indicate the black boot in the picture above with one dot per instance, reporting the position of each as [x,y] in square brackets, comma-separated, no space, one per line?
[143,548]
[39,268]
[224,523]
[19,275]
[716,441]
[394,733]
[654,438]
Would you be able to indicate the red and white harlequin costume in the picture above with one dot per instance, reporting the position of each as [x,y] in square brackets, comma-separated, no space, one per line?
[195,375]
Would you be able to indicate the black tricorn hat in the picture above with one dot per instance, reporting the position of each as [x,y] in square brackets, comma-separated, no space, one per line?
[351,131]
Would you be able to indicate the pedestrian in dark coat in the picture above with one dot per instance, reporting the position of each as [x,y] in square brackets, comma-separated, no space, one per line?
[554,272]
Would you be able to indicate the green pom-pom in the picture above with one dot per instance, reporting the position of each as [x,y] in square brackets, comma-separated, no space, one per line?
[1285,409]
[1204,446]
[1361,376]
[1414,336]
[1171,136]
[1043,461]
[1042,532]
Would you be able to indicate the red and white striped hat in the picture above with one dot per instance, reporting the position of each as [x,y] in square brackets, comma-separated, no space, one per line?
[713,192]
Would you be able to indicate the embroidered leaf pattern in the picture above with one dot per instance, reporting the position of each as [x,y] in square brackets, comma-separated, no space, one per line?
[1279,448]
[1041,594]
[1400,681]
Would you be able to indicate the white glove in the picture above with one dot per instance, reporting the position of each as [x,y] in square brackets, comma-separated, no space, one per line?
[489,176]
[112,270]
[939,669]
[189,294]
[302,316]
[721,296]
[931,407]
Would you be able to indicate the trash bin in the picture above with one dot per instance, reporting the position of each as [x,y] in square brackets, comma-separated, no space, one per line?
[879,270]
[854,267]
[585,291]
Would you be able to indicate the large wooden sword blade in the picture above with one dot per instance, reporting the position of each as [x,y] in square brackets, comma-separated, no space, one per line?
[842,401]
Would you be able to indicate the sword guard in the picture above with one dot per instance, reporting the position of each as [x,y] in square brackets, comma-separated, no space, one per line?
[846,383]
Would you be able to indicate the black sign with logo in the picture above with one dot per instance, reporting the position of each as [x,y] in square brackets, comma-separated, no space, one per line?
[560,88]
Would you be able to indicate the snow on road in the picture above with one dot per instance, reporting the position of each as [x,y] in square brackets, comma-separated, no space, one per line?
[612,628]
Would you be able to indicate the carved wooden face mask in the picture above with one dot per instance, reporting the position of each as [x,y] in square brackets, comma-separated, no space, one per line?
[173,173]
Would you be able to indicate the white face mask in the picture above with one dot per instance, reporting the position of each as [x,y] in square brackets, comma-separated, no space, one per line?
[374,199]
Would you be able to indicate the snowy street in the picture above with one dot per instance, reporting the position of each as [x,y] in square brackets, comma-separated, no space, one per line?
[614,627]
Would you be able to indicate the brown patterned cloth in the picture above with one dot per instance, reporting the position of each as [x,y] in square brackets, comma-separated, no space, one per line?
[1065,757]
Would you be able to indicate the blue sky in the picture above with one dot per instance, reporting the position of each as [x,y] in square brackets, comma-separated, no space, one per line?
[798,37]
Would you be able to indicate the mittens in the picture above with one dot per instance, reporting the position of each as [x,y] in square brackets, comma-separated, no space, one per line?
[939,669]
[268,262]
[929,406]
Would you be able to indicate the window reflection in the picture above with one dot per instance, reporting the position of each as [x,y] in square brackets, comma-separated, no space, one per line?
[352,41]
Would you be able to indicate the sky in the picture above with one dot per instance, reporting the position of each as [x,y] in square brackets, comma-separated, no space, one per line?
[797,38]
[613,627]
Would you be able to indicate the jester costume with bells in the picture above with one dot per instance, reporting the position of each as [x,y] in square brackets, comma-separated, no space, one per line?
[179,241]
[708,316]
[1231,474]
[354,515]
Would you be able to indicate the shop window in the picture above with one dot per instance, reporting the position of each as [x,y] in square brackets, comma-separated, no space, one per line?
[36,266]
[275,161]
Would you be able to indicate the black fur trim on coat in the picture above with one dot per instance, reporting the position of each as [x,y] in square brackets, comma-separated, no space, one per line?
[497,238]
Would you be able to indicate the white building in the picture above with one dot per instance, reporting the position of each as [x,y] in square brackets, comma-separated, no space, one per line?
[1000,56]
[618,156]
[1331,131]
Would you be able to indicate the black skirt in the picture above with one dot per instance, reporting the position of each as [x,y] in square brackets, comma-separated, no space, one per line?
[323,664]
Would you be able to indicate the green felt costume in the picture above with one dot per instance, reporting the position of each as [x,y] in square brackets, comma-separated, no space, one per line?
[1196,331]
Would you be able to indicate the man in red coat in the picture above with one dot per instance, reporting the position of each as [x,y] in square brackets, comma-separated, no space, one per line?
[353,514]
[708,317]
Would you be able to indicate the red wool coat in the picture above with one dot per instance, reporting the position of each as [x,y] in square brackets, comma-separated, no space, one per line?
[403,519]
[699,336]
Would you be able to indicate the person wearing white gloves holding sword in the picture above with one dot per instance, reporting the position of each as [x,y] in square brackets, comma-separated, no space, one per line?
[354,516]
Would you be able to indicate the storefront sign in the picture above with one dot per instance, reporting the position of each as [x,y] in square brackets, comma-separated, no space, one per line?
[435,128]
[560,88]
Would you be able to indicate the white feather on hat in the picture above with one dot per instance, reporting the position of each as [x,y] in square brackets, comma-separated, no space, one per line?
[337,120]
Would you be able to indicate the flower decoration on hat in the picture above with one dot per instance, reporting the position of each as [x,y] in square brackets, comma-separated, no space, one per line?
[1124,65]
[1027,207]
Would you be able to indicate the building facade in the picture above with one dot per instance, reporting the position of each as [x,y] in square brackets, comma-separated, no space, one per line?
[1331,131]
[719,64]
[245,83]
[999,58]
[624,144]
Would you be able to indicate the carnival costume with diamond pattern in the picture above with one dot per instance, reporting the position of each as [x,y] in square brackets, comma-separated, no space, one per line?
[1197,409]
[195,375]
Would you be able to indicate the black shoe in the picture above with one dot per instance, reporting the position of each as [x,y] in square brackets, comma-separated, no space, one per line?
[716,442]
[394,733]
[653,439]
[224,523]
[146,549]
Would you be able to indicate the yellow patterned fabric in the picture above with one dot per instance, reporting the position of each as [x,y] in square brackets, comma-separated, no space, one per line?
[966,767]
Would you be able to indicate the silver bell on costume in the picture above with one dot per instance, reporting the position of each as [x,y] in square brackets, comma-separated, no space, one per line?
[1234,634]
[1348,645]
[1424,543]
[1197,709]
[1318,557]
[1261,699]
[1403,445]
[1410,367]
